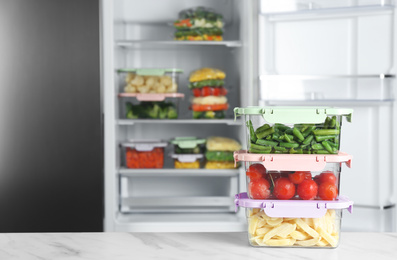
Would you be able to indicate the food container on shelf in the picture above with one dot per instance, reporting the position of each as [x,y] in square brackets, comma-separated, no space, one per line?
[293,177]
[293,130]
[277,223]
[187,161]
[219,152]
[199,24]
[187,145]
[209,94]
[150,106]
[144,153]
[150,80]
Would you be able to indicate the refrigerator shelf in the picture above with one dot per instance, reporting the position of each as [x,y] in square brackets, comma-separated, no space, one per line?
[309,9]
[153,44]
[151,96]
[161,222]
[178,172]
[230,122]
[308,77]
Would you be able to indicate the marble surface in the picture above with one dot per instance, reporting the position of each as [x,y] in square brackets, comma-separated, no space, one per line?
[184,246]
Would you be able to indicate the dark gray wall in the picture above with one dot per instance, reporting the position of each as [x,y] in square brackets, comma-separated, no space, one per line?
[51,152]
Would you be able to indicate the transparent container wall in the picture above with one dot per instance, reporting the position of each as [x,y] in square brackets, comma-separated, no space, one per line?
[177,194]
[130,82]
[264,231]
[257,190]
[285,88]
[321,138]
[134,159]
[131,108]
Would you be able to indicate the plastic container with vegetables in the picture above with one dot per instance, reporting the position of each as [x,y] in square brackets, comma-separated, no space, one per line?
[219,153]
[294,130]
[144,153]
[199,24]
[297,177]
[209,101]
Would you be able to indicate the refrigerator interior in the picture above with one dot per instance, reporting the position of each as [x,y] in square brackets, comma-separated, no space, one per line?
[137,35]
[340,53]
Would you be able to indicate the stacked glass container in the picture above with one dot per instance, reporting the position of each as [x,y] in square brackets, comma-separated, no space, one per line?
[293,165]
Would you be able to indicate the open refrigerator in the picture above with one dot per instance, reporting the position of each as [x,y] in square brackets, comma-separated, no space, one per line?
[300,53]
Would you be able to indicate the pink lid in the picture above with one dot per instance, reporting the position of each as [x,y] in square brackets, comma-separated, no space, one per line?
[294,208]
[152,96]
[293,162]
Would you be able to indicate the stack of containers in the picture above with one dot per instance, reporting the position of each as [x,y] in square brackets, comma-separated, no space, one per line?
[199,24]
[293,166]
[188,152]
[207,85]
[219,152]
[154,89]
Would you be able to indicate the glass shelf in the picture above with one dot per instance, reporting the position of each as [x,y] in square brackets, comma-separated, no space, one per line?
[126,172]
[231,122]
[151,44]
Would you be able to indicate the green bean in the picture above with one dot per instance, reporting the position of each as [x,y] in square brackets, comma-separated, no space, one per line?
[253,150]
[289,145]
[280,149]
[327,146]
[287,138]
[320,152]
[320,138]
[334,145]
[326,123]
[266,143]
[298,134]
[262,128]
[281,127]
[260,147]
[252,131]
[333,122]
[292,151]
[264,133]
[317,147]
[308,131]
[308,140]
[326,132]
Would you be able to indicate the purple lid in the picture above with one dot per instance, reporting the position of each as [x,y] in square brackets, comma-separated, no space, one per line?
[294,208]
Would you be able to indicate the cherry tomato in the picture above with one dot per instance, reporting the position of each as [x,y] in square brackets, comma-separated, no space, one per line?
[206,91]
[256,171]
[296,177]
[216,91]
[308,175]
[197,92]
[307,190]
[284,189]
[259,189]
[327,176]
[327,191]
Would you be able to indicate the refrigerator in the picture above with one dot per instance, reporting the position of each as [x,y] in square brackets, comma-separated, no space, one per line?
[51,138]
[274,53]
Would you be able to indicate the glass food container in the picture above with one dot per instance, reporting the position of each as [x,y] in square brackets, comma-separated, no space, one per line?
[293,130]
[293,177]
[144,153]
[309,224]
[187,161]
[187,145]
[143,81]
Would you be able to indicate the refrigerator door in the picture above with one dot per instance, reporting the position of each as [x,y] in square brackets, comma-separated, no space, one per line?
[342,54]
[51,165]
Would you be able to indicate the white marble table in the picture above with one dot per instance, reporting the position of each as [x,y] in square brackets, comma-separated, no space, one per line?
[184,246]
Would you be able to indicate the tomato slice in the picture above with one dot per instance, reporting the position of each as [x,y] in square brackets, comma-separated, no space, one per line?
[217,107]
[206,91]
[197,92]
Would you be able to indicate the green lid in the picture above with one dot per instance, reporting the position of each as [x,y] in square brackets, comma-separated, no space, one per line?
[187,142]
[151,72]
[294,115]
